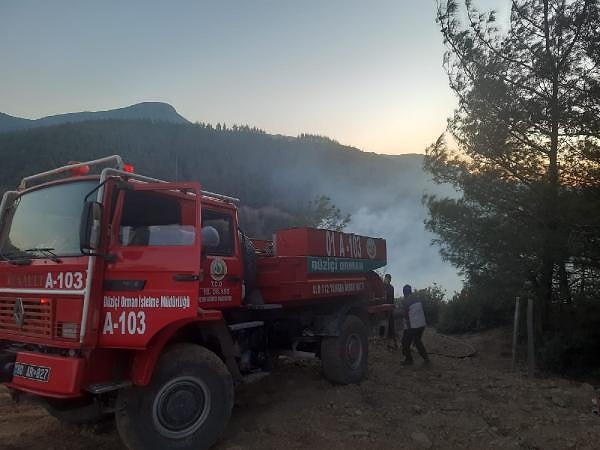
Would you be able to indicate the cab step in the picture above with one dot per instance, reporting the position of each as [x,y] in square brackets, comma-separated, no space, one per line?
[245,325]
[264,307]
[102,388]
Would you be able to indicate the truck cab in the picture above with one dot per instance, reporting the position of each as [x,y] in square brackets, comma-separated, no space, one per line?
[158,270]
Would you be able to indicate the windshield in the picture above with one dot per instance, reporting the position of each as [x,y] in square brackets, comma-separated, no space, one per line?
[47,218]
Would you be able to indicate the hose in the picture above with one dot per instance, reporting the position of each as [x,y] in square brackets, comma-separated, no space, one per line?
[472,351]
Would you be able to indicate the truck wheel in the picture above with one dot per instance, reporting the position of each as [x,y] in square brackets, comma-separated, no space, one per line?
[345,357]
[186,405]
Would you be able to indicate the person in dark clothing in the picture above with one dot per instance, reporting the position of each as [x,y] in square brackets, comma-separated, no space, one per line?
[389,289]
[389,299]
[414,317]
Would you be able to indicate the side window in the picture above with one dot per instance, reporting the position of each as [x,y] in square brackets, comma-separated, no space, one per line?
[223,223]
[153,219]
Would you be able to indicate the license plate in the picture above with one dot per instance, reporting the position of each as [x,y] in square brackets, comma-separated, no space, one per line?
[31,372]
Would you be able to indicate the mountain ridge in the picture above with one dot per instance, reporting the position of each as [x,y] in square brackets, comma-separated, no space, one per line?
[153,111]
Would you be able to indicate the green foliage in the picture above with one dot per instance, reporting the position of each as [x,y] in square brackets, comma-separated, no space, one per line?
[459,315]
[262,222]
[316,138]
[526,160]
[322,213]
[319,213]
[576,348]
[476,308]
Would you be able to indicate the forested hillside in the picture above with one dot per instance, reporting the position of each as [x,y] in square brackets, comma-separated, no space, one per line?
[274,176]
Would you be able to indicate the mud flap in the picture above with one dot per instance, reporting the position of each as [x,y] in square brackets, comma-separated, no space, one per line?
[7,364]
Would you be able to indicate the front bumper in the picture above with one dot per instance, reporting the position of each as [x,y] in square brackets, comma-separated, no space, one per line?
[63,375]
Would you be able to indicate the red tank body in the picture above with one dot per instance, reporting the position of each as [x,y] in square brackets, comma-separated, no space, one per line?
[308,264]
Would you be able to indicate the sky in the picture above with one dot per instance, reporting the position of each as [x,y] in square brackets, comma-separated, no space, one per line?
[366,73]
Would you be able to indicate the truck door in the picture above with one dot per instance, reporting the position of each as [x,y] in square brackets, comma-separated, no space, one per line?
[152,280]
[221,285]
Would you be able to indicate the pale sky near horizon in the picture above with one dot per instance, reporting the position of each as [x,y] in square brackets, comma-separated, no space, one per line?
[366,73]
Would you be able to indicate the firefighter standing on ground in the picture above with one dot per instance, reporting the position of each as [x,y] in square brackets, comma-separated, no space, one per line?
[414,317]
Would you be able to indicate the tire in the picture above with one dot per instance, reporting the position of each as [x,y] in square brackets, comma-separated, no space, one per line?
[186,405]
[345,357]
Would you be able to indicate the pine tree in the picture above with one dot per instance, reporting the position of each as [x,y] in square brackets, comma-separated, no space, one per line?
[527,150]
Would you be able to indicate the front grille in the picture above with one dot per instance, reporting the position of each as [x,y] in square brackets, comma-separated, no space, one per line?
[37,318]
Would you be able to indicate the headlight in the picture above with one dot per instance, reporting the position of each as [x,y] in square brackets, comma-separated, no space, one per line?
[68,330]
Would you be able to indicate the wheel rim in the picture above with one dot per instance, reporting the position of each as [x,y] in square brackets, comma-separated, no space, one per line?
[354,351]
[181,407]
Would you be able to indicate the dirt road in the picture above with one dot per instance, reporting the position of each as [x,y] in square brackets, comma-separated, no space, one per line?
[455,403]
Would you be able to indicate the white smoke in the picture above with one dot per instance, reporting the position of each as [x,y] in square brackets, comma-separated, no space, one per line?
[411,258]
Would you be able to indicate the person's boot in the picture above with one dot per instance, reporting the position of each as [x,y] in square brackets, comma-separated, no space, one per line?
[407,362]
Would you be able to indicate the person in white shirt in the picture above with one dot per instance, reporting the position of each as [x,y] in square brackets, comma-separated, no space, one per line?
[414,317]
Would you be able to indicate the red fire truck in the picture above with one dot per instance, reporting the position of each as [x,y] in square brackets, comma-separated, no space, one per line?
[127,295]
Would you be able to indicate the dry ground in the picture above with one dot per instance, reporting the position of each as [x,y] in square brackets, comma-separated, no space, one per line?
[456,403]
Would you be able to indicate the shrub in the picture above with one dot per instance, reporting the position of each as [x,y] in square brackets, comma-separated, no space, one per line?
[573,347]
[459,315]
[475,309]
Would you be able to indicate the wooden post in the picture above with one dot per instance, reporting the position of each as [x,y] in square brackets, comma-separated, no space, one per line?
[530,343]
[515,333]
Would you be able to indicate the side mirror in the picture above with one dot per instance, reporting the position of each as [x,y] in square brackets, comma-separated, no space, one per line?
[89,227]
[8,202]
